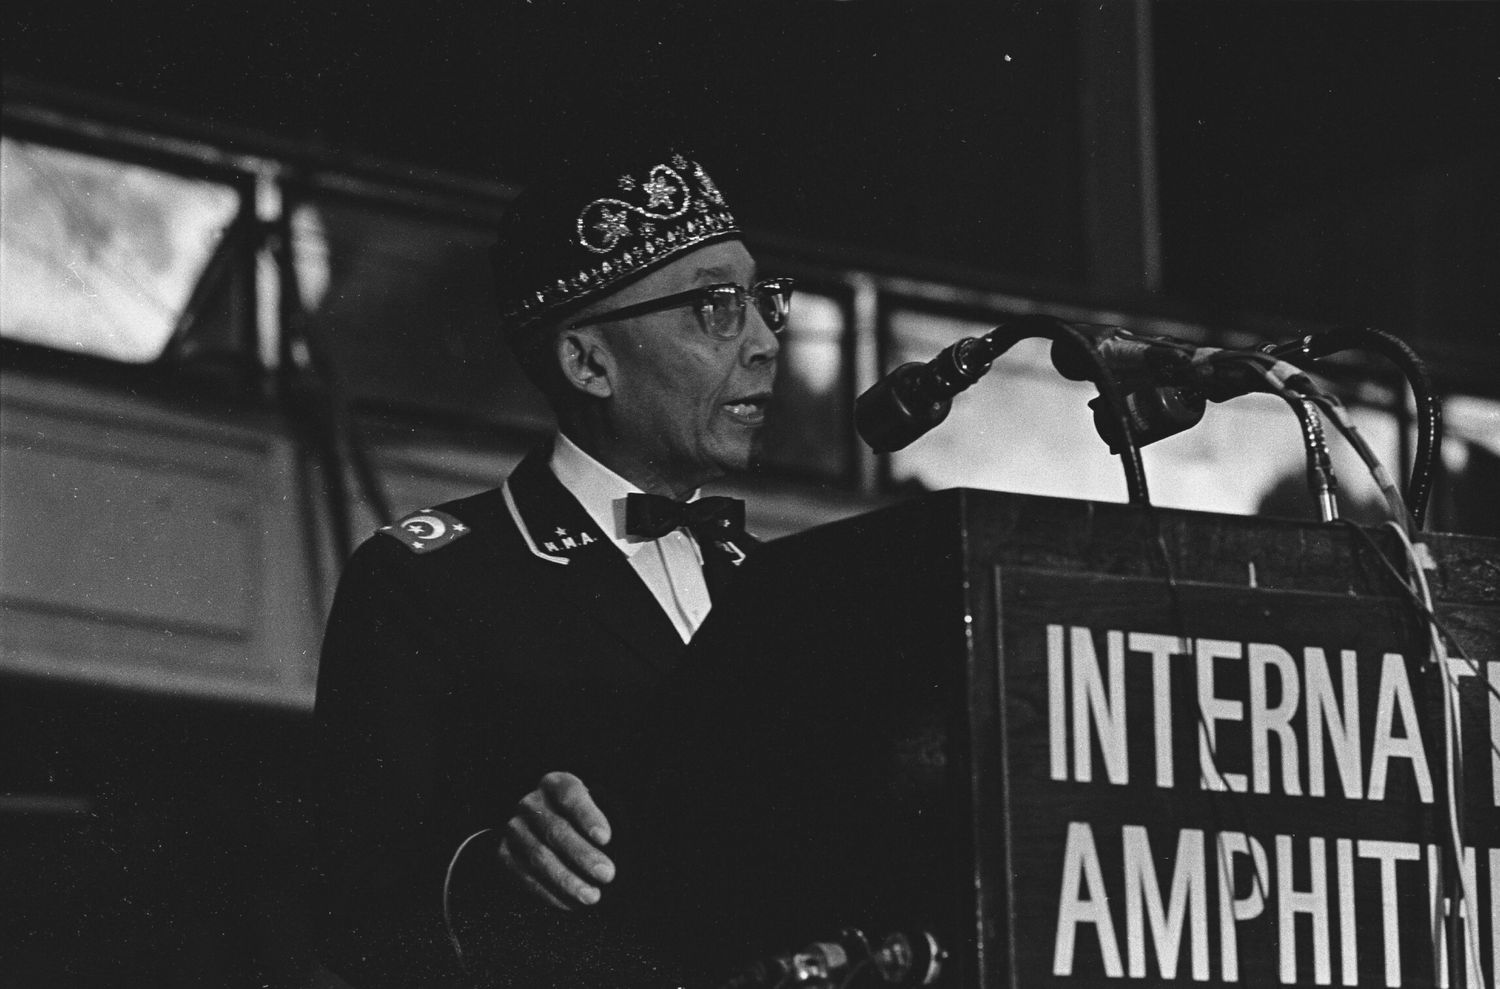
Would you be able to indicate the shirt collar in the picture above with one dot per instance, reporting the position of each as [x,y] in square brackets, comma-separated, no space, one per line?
[598,489]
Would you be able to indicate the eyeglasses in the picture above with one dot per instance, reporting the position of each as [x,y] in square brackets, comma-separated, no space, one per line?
[720,308]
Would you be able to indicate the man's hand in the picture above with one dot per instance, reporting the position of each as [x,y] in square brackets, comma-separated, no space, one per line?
[551,844]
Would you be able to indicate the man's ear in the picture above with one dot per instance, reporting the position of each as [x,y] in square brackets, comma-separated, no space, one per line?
[586,362]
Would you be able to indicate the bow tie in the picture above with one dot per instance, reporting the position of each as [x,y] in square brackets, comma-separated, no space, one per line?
[653,516]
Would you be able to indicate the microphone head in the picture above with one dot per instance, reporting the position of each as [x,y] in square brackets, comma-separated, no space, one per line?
[909,960]
[892,412]
[1154,413]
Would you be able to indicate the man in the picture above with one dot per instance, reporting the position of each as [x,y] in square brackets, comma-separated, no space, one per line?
[482,658]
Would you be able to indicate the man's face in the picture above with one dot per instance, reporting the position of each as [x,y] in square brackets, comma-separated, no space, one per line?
[686,407]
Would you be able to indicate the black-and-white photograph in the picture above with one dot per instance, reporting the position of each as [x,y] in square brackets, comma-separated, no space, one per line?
[749,495]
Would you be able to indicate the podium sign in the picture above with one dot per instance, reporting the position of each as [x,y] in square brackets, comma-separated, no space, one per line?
[1238,787]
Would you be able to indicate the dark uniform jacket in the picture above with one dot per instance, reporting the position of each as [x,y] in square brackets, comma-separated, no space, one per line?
[470,650]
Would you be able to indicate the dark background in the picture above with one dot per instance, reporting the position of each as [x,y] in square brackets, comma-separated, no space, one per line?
[1325,161]
[1317,162]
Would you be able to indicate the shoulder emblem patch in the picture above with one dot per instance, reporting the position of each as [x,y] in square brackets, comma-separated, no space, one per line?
[426,530]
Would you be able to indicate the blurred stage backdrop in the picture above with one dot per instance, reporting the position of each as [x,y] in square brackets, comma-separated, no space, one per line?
[245,317]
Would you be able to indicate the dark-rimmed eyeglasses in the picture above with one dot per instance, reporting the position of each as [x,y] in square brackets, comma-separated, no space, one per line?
[720,308]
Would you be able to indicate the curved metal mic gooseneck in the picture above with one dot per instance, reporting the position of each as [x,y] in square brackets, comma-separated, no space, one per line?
[1429,412]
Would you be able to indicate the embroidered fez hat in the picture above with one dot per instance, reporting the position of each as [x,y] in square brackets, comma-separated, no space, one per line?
[589,231]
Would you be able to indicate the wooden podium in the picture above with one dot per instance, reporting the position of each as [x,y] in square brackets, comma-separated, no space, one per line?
[1082,744]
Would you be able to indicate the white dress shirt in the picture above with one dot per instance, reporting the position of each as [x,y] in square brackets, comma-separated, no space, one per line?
[671,566]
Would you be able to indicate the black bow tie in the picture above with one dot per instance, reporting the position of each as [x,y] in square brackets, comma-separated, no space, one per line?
[653,516]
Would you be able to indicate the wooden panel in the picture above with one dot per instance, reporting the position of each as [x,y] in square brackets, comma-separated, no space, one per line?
[150,549]
[146,535]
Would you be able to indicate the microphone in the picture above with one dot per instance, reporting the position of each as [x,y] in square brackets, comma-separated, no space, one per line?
[1142,363]
[1168,380]
[901,959]
[1154,414]
[1131,358]
[915,397]
[818,961]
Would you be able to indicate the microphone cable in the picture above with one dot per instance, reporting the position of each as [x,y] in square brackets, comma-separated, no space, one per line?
[1293,385]
[1429,411]
[1418,595]
[1419,592]
[1115,396]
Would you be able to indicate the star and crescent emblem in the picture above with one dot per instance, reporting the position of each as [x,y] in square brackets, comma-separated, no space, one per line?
[426,530]
[425,526]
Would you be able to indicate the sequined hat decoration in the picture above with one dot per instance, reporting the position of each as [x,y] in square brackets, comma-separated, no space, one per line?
[575,239]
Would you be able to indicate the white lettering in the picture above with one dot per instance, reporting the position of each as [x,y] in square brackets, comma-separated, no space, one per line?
[1265,719]
[1187,901]
[1342,726]
[1388,853]
[1215,709]
[1395,696]
[1081,867]
[1057,703]
[1494,886]
[1470,922]
[1313,902]
[1348,931]
[1161,648]
[1233,909]
[1093,705]
[1167,910]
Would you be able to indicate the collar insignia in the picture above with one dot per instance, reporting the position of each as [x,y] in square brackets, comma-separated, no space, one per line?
[561,540]
[426,530]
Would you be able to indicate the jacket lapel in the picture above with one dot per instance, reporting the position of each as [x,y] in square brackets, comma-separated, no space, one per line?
[604,587]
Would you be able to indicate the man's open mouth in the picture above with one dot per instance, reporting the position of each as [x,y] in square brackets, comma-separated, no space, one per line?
[749,408]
